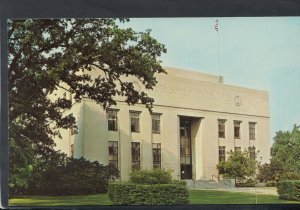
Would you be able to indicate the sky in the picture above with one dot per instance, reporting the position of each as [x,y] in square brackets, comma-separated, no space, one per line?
[254,52]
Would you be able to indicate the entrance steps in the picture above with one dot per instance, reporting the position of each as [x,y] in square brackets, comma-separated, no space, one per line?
[209,184]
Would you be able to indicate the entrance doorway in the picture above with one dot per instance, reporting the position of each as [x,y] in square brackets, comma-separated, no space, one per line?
[185,149]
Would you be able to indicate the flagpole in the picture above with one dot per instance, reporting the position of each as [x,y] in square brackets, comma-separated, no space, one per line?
[217,22]
[219,54]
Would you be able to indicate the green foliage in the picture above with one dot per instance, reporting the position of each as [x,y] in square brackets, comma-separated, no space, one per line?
[270,172]
[289,190]
[156,176]
[285,162]
[271,184]
[149,187]
[140,194]
[68,176]
[285,150]
[43,54]
[238,166]
[246,183]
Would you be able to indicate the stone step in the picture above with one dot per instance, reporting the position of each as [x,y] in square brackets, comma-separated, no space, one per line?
[210,184]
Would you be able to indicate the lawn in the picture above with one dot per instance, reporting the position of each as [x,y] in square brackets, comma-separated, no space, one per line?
[95,199]
[196,197]
[222,197]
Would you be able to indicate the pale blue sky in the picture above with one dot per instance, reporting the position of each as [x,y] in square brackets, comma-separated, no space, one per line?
[256,52]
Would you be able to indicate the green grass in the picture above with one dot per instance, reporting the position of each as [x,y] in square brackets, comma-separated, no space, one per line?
[34,200]
[223,197]
[196,197]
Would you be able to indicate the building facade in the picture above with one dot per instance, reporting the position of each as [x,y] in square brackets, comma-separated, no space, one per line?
[196,120]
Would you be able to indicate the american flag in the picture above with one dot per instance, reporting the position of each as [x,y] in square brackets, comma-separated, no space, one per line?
[216,25]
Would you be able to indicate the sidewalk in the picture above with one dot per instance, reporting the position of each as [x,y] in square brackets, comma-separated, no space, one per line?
[258,190]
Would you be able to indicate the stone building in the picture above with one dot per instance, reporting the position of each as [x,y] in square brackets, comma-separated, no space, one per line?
[196,120]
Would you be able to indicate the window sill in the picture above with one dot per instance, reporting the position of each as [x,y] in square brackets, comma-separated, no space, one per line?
[113,130]
[156,132]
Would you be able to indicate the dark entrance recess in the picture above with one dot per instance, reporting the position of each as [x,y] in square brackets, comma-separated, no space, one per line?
[185,149]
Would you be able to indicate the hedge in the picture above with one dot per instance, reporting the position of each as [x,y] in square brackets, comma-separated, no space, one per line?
[155,176]
[289,190]
[127,193]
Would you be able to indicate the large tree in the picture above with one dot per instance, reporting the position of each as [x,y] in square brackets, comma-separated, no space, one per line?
[286,150]
[43,54]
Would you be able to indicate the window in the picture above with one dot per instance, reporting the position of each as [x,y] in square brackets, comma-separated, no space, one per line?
[70,97]
[135,121]
[155,123]
[112,120]
[238,149]
[156,155]
[72,150]
[73,130]
[252,152]
[221,153]
[135,155]
[113,153]
[221,128]
[237,132]
[252,130]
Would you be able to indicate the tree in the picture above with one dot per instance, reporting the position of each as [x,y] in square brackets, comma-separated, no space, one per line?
[238,166]
[270,172]
[286,150]
[44,54]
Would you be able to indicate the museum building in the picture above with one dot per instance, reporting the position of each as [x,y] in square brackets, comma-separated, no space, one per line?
[196,120]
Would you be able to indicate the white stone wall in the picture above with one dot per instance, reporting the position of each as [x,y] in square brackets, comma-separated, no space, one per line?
[179,93]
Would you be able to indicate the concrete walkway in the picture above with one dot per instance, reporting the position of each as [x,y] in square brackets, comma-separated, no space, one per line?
[258,190]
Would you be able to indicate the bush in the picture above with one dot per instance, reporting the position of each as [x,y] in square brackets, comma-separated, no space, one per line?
[156,176]
[270,171]
[246,183]
[146,194]
[289,190]
[70,176]
[154,187]
[271,184]
[288,176]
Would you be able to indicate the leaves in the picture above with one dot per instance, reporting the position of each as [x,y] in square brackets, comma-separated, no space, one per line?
[47,54]
[285,149]
[238,166]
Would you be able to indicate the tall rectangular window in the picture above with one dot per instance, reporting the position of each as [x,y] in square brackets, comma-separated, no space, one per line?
[221,124]
[72,130]
[155,123]
[221,153]
[252,130]
[135,121]
[113,153]
[112,120]
[135,156]
[156,155]
[72,150]
[237,129]
[252,152]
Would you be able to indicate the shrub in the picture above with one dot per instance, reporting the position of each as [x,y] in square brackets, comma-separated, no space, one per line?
[246,183]
[71,176]
[175,193]
[288,176]
[156,176]
[154,187]
[271,184]
[270,171]
[289,190]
